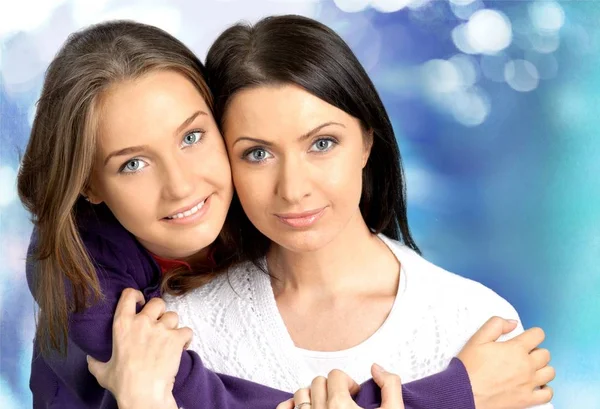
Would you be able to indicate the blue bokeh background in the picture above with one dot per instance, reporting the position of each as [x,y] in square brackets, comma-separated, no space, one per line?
[496,107]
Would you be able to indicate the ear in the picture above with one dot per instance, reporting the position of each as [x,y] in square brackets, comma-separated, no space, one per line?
[91,195]
[368,144]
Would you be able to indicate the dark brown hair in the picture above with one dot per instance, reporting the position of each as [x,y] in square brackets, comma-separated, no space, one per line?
[301,51]
[58,161]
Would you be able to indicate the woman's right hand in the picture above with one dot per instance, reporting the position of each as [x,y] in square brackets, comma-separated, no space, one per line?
[509,374]
[147,348]
[336,390]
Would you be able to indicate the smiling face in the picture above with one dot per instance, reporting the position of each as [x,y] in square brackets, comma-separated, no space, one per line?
[161,165]
[297,164]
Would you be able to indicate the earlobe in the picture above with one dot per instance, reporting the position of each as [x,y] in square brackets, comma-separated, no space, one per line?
[90,197]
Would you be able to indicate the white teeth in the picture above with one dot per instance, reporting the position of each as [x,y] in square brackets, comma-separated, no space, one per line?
[188,212]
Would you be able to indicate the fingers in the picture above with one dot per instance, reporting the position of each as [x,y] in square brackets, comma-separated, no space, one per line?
[286,404]
[185,334]
[318,393]
[340,387]
[154,308]
[540,357]
[542,395]
[302,397]
[97,369]
[169,319]
[127,302]
[544,376]
[391,388]
[493,329]
[529,339]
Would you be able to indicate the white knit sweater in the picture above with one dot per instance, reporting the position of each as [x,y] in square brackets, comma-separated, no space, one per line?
[238,329]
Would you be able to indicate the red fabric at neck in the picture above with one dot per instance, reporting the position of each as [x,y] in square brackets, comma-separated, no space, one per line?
[167,264]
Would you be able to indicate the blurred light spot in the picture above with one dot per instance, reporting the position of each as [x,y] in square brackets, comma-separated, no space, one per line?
[461,2]
[489,31]
[578,40]
[362,37]
[521,24]
[421,184]
[459,37]
[417,4]
[546,64]
[466,10]
[544,43]
[546,16]
[467,66]
[521,75]
[352,6]
[21,63]
[440,76]
[389,6]
[492,66]
[8,185]
[470,107]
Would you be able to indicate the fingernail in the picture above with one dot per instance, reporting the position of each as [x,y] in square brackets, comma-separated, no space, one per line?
[87,358]
[379,368]
[513,321]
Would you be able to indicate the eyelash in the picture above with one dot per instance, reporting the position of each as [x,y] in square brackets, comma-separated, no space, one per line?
[200,138]
[248,152]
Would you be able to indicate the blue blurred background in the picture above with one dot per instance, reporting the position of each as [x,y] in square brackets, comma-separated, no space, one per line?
[496,107]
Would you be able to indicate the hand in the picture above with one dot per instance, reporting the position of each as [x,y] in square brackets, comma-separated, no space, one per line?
[507,375]
[146,353]
[335,392]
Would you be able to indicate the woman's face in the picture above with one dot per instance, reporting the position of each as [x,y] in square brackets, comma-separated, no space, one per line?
[297,164]
[161,164]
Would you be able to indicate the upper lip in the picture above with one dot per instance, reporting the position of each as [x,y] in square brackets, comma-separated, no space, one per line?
[299,215]
[185,209]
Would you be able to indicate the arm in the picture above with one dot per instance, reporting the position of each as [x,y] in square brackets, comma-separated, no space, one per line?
[122,264]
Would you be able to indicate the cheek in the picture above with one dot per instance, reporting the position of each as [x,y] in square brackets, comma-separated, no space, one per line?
[213,164]
[253,189]
[132,199]
[341,180]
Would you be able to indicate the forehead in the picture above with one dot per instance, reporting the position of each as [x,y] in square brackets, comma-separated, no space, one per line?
[273,108]
[135,110]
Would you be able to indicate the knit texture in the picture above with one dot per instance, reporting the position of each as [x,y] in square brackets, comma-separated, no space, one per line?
[238,329]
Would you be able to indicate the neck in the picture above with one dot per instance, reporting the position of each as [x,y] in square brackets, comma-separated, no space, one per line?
[342,265]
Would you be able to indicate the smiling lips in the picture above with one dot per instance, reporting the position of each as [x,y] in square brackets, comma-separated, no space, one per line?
[189,215]
[301,220]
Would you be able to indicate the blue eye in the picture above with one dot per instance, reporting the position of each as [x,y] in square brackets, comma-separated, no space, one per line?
[257,155]
[322,145]
[133,166]
[192,138]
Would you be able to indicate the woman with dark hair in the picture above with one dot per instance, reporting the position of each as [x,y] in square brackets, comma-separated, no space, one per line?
[145,194]
[330,275]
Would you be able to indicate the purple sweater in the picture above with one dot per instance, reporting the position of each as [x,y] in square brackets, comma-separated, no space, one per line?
[122,262]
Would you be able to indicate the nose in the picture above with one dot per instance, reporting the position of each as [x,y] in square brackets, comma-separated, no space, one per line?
[293,183]
[178,179]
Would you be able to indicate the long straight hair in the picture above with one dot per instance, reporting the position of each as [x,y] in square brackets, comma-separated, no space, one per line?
[58,161]
[297,50]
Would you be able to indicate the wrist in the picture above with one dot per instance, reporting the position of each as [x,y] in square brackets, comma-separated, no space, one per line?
[157,397]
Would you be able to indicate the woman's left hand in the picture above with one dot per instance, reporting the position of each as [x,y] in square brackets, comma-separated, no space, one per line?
[336,391]
[147,349]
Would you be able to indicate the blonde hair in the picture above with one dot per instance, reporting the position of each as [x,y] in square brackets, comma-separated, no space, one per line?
[58,161]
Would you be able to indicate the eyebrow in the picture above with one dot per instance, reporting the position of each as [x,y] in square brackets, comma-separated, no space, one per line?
[140,148]
[301,138]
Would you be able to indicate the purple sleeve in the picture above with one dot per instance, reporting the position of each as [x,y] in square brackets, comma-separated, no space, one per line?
[198,388]
[69,383]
